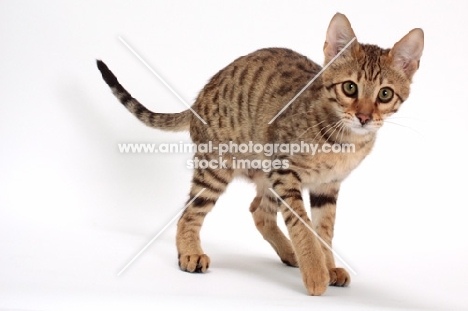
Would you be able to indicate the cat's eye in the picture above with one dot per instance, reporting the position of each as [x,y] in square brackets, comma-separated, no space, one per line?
[385,95]
[350,89]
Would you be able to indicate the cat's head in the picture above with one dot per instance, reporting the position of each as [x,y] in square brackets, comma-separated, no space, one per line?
[368,83]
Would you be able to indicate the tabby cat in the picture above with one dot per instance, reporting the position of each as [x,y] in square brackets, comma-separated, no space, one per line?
[347,103]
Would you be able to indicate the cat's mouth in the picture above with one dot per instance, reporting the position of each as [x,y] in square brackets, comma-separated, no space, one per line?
[359,123]
[362,128]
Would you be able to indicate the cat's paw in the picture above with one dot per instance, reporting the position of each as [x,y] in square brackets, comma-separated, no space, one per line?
[316,281]
[339,277]
[194,262]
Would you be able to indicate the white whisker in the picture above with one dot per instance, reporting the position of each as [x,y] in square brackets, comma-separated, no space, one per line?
[405,126]
[403,117]
[343,129]
[320,131]
[332,126]
[310,128]
[336,127]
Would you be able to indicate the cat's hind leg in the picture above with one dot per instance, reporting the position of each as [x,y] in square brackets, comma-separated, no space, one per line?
[264,212]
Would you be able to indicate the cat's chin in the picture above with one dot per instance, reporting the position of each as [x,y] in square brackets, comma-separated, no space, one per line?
[360,130]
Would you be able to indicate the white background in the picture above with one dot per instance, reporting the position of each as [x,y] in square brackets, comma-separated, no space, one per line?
[74,211]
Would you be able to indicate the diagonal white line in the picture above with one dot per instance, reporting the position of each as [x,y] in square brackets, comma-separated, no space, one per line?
[312,81]
[314,232]
[159,233]
[160,79]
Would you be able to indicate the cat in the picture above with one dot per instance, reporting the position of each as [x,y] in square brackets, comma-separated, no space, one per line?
[347,103]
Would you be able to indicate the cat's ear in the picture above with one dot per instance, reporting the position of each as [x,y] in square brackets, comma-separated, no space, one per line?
[407,52]
[339,34]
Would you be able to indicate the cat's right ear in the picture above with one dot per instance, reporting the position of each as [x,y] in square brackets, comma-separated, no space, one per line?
[339,34]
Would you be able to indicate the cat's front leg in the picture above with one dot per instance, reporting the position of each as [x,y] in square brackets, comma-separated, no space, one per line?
[323,209]
[207,186]
[286,183]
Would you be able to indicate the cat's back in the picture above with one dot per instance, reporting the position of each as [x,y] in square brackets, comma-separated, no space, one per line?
[240,99]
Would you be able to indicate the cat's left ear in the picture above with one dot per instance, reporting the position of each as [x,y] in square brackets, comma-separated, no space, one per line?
[407,52]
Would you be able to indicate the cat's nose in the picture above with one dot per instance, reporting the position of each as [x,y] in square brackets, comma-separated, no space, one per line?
[364,118]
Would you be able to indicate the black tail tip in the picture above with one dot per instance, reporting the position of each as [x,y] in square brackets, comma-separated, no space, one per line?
[100,64]
[107,75]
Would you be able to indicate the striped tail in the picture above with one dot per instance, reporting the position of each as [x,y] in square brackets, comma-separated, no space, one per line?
[164,121]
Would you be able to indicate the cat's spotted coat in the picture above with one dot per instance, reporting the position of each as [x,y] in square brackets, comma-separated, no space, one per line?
[347,103]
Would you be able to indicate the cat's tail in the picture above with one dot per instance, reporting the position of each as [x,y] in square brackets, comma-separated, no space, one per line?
[165,121]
